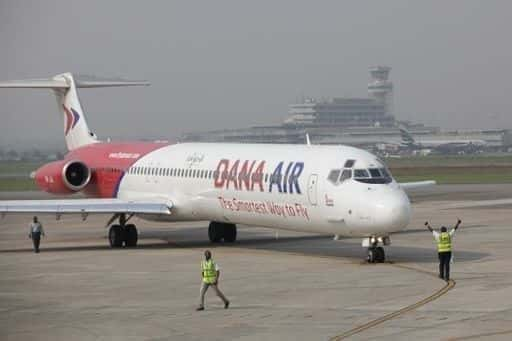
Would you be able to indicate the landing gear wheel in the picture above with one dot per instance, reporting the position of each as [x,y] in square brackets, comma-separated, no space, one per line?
[116,236]
[376,255]
[131,235]
[215,232]
[372,255]
[380,255]
[229,233]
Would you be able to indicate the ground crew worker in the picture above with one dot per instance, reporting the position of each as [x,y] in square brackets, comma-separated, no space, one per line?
[444,248]
[36,230]
[210,273]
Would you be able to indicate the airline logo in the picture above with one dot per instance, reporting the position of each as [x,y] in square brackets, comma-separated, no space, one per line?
[72,118]
[250,175]
[121,155]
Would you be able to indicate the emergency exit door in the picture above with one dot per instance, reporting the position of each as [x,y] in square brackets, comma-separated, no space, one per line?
[312,192]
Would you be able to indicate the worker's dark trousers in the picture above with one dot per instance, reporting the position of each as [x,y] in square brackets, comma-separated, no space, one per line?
[36,239]
[444,265]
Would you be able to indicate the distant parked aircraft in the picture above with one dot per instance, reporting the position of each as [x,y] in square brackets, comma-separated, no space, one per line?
[440,146]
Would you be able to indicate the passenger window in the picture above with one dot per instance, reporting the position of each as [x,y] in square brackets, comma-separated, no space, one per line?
[349,163]
[334,175]
[346,174]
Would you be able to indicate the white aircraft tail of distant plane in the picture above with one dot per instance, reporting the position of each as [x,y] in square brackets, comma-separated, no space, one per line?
[338,190]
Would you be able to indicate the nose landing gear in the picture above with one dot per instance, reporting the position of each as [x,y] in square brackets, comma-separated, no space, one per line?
[376,253]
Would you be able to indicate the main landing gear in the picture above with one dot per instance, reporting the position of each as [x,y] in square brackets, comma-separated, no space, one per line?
[122,233]
[222,231]
[375,252]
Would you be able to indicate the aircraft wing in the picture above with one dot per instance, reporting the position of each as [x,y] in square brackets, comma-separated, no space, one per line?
[507,202]
[417,184]
[86,206]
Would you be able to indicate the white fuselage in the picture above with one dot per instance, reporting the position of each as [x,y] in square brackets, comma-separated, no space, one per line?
[277,186]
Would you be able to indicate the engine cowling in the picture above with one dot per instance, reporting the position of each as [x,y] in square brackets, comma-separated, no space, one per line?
[63,177]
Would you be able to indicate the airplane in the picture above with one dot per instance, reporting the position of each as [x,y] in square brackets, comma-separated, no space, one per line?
[337,190]
[441,146]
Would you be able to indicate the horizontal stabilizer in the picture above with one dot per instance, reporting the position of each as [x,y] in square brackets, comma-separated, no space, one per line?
[36,84]
[61,83]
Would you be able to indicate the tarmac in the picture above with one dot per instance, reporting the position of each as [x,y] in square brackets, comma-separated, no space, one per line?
[282,285]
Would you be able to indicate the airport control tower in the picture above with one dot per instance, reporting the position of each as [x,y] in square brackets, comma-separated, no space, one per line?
[380,88]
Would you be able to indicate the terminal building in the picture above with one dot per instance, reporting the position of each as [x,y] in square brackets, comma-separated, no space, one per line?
[373,111]
[362,122]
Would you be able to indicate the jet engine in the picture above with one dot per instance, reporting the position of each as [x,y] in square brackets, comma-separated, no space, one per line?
[63,177]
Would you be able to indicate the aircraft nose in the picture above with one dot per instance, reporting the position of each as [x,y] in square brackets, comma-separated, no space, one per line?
[393,212]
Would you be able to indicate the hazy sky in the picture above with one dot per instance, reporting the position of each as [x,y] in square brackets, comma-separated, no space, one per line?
[225,64]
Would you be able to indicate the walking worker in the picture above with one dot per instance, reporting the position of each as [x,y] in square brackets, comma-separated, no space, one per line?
[36,230]
[210,273]
[444,248]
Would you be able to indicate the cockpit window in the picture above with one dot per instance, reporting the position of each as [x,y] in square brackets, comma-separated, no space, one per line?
[361,173]
[349,163]
[346,174]
[385,173]
[375,173]
[378,176]
[334,175]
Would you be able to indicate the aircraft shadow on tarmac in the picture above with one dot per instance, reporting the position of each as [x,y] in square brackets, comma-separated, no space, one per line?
[313,245]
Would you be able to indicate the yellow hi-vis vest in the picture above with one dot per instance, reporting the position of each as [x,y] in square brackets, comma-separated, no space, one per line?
[445,242]
[209,272]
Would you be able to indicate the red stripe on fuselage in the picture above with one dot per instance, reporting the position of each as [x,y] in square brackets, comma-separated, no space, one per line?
[108,162]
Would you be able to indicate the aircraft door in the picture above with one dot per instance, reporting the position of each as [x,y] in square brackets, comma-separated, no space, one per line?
[312,189]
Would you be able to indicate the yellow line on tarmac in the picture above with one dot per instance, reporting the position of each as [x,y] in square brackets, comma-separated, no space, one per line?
[449,285]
